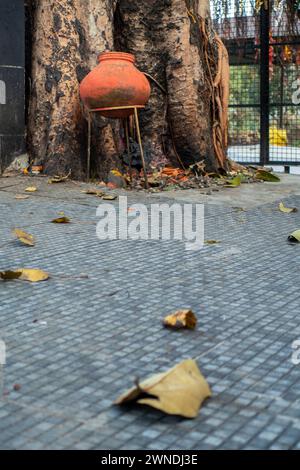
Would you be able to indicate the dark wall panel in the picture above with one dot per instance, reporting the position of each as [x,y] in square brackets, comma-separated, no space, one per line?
[12,72]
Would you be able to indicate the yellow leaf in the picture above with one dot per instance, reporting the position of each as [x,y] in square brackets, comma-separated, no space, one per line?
[21,197]
[181,319]
[24,237]
[294,237]
[33,275]
[278,136]
[24,274]
[61,220]
[179,391]
[31,189]
[234,183]
[109,197]
[286,210]
[116,173]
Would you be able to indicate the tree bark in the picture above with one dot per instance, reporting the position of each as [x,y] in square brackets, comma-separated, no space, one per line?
[185,120]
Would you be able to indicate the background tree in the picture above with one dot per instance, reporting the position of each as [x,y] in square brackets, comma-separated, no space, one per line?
[173,41]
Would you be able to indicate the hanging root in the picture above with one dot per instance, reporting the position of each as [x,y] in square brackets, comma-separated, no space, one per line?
[219,92]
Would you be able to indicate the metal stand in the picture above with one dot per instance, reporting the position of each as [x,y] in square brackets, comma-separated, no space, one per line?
[126,126]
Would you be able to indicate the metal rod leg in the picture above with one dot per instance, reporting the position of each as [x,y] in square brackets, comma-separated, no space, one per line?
[137,124]
[126,123]
[88,170]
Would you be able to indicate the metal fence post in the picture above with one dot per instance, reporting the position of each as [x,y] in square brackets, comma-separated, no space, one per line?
[265,85]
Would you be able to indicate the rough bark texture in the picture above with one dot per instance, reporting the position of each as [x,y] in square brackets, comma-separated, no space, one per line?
[172,41]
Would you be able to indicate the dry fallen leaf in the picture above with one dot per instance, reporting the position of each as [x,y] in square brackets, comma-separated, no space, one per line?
[101,194]
[59,179]
[286,210]
[24,274]
[21,197]
[94,192]
[24,237]
[61,220]
[109,197]
[31,189]
[294,237]
[265,175]
[211,242]
[179,391]
[181,319]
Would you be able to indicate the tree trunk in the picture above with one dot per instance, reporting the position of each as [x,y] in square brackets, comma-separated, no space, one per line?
[185,120]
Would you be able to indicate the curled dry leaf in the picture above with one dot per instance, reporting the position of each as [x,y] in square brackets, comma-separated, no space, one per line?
[179,391]
[265,175]
[294,237]
[31,189]
[61,220]
[286,210]
[181,319]
[24,274]
[24,237]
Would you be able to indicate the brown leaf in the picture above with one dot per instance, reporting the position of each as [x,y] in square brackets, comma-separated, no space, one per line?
[179,391]
[61,220]
[59,179]
[94,192]
[212,242]
[181,319]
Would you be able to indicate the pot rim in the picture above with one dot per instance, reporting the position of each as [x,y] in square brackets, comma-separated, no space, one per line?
[116,56]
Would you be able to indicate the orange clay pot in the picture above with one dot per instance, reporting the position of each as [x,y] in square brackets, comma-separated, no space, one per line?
[115,82]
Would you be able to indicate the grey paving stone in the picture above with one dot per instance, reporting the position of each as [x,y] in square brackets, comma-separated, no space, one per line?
[103,331]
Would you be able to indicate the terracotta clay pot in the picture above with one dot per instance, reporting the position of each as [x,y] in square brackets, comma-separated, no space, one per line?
[115,82]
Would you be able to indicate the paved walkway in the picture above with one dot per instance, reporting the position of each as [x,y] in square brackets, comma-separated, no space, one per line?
[74,343]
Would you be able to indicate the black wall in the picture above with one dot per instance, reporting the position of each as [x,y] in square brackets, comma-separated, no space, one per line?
[12,72]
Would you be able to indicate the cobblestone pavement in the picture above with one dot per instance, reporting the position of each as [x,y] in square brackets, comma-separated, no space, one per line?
[75,343]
